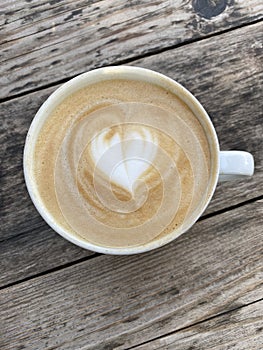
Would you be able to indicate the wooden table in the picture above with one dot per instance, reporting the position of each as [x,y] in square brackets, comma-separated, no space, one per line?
[204,290]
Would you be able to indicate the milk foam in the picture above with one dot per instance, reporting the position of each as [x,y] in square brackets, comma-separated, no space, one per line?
[128,154]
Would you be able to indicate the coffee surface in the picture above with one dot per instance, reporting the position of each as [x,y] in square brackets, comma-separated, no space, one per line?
[121,163]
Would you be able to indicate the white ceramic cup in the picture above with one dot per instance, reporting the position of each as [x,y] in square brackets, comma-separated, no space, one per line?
[226,165]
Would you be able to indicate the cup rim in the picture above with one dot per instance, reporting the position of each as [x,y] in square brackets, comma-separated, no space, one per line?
[85,79]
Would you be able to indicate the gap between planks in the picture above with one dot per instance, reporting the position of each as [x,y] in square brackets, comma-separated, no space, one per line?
[201,276]
[195,324]
[132,59]
[95,255]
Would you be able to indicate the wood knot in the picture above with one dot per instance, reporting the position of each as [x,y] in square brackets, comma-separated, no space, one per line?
[209,8]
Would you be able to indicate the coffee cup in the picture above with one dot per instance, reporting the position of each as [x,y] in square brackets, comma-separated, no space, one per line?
[123,160]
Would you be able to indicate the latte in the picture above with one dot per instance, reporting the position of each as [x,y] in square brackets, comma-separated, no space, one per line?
[121,163]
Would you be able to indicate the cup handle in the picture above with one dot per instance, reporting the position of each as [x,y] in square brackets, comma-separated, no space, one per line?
[235,165]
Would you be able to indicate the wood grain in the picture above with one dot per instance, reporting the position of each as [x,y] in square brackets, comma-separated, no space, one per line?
[225,74]
[34,252]
[43,42]
[114,302]
[237,330]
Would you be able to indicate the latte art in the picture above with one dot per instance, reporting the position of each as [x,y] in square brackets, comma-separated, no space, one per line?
[131,153]
[123,170]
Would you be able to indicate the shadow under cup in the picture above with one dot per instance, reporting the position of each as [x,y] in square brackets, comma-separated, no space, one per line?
[130,167]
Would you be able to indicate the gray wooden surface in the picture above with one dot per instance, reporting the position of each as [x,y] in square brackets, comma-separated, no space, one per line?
[111,302]
[202,291]
[222,331]
[48,41]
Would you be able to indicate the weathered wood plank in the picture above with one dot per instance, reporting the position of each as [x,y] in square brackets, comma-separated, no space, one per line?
[33,252]
[114,302]
[239,329]
[43,42]
[227,81]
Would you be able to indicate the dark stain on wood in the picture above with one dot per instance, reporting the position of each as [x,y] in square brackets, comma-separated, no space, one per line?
[27,85]
[54,2]
[110,345]
[54,50]
[112,312]
[210,8]
[73,14]
[130,319]
[56,62]
[171,291]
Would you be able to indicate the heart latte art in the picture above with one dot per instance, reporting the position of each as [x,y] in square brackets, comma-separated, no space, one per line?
[124,153]
[120,168]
